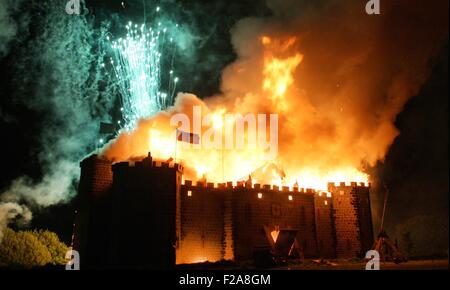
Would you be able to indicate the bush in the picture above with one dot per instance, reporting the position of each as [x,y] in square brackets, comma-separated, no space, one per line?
[56,248]
[28,249]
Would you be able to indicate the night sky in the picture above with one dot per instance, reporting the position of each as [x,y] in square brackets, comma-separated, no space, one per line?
[415,169]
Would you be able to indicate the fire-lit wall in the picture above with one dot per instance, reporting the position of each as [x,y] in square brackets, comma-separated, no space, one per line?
[140,215]
[352,219]
[273,208]
[226,222]
[202,224]
[325,228]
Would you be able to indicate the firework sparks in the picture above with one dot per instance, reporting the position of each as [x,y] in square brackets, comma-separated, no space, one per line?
[138,67]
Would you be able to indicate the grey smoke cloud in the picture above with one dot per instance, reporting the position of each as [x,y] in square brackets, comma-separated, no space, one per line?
[8,24]
[357,73]
[13,211]
[59,74]
[56,186]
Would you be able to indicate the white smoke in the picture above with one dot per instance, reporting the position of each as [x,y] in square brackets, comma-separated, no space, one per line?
[12,211]
[60,78]
[55,187]
[8,31]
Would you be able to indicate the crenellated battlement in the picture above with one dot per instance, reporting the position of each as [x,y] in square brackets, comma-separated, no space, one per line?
[348,184]
[155,164]
[149,162]
[243,185]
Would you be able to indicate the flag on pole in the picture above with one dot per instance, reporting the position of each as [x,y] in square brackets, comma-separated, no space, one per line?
[188,137]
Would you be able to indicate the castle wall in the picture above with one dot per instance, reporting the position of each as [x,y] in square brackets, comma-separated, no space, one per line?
[364,218]
[352,219]
[275,211]
[325,228]
[257,210]
[202,224]
[228,241]
[141,216]
[226,222]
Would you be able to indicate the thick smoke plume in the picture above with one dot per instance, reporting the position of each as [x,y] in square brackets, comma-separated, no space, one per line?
[337,77]
[58,75]
[357,73]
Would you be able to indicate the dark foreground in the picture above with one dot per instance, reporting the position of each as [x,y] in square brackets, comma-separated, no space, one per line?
[436,264]
[346,265]
[429,264]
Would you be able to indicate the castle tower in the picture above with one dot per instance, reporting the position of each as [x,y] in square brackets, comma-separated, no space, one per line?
[145,204]
[92,220]
[127,214]
[352,219]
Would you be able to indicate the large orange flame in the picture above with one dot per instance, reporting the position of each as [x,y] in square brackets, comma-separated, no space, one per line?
[281,60]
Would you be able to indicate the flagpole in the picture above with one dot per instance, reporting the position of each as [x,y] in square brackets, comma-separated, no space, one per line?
[176,143]
[223,167]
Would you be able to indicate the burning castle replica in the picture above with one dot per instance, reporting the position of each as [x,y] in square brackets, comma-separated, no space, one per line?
[141,215]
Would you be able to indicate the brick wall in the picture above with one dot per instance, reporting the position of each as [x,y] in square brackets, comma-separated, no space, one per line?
[227,222]
[274,210]
[364,218]
[228,241]
[139,215]
[352,219]
[325,229]
[202,224]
